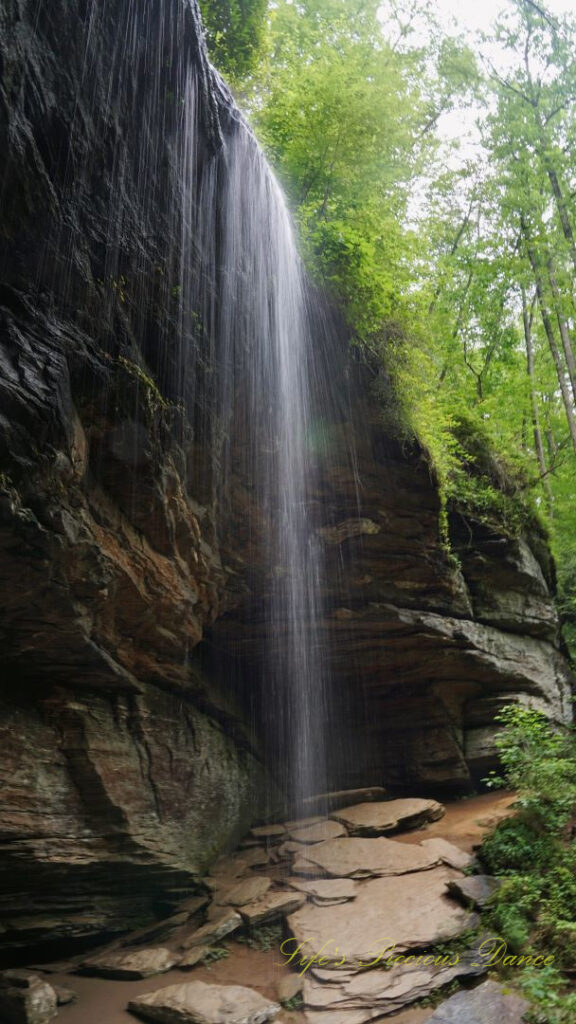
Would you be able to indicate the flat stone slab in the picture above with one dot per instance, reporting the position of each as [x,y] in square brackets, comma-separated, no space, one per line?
[268,833]
[326,890]
[195,1002]
[403,912]
[341,798]
[488,1002]
[318,833]
[364,858]
[374,819]
[474,891]
[226,923]
[449,854]
[25,998]
[136,963]
[271,906]
[248,890]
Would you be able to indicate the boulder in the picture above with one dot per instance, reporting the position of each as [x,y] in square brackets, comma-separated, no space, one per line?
[373,819]
[65,996]
[198,1003]
[194,957]
[137,963]
[488,1002]
[289,986]
[474,891]
[26,999]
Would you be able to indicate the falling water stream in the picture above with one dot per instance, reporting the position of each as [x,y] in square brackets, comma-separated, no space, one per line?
[265,342]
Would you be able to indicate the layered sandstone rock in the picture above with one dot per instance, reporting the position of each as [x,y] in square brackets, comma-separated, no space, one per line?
[126,767]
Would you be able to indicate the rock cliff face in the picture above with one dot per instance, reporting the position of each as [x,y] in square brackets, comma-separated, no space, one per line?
[126,761]
[424,646]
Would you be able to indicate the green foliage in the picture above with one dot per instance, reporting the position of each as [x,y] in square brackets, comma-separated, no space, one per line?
[539,761]
[234,31]
[534,856]
[263,937]
[294,1003]
[547,988]
[216,953]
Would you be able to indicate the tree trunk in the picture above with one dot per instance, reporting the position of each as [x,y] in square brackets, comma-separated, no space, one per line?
[563,327]
[548,328]
[541,458]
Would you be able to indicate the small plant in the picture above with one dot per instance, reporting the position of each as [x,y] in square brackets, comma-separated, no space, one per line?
[294,1003]
[218,953]
[265,937]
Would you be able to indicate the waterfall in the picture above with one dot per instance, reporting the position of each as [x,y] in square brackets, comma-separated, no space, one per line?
[263,337]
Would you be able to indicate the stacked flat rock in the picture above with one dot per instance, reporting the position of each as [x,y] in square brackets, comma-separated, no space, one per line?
[410,911]
[385,991]
[197,1003]
[374,819]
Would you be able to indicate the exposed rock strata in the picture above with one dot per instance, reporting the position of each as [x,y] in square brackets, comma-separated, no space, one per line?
[124,769]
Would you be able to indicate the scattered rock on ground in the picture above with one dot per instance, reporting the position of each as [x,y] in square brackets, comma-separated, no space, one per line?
[246,891]
[408,910]
[194,957]
[319,833]
[271,906]
[135,963]
[289,986]
[488,1002]
[449,854]
[25,998]
[365,858]
[226,923]
[474,891]
[64,996]
[373,819]
[198,1003]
